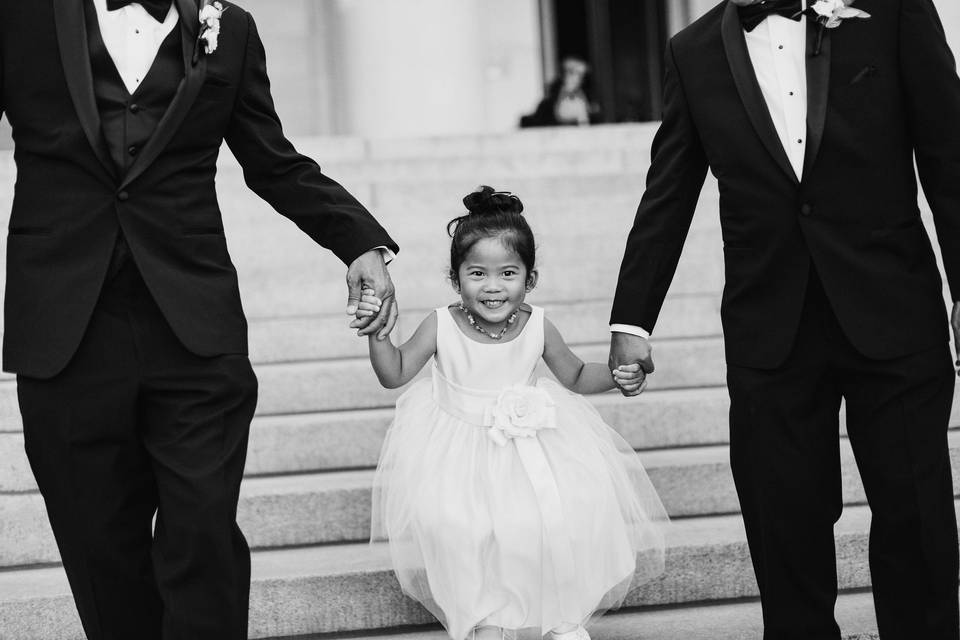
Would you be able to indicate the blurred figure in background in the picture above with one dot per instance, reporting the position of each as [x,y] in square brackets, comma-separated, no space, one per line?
[568,100]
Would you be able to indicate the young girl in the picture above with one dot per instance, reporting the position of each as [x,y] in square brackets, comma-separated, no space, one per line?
[508,503]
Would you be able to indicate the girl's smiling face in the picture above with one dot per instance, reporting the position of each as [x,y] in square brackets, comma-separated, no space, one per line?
[493,282]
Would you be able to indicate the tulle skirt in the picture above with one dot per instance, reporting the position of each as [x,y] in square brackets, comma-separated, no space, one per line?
[528,533]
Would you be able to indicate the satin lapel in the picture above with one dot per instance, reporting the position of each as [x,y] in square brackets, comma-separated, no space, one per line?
[194,75]
[818,91]
[75,57]
[744,77]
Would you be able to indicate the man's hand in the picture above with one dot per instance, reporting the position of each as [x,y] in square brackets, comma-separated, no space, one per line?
[955,323]
[627,349]
[369,272]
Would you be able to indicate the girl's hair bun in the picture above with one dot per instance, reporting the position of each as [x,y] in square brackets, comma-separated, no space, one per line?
[486,200]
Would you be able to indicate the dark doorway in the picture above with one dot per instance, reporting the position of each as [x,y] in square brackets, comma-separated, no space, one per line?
[622,41]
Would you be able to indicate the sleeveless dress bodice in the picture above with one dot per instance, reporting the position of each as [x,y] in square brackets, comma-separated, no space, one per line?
[470,376]
[488,366]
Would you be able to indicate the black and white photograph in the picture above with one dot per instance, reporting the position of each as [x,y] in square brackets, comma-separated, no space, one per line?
[480,320]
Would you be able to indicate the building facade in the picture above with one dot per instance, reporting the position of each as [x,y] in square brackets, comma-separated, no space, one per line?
[432,67]
[398,68]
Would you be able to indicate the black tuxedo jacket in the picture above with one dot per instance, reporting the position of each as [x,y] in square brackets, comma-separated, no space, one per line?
[882,92]
[70,201]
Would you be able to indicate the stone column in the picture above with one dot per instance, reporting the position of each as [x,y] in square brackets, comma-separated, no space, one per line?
[433,67]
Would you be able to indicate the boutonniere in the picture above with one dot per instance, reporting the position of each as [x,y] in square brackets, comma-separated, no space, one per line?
[208,39]
[829,14]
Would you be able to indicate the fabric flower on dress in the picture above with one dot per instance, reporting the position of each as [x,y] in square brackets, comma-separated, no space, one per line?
[520,412]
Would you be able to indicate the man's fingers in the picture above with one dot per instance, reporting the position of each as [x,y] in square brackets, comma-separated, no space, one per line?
[394,313]
[353,294]
[647,363]
[361,322]
[380,319]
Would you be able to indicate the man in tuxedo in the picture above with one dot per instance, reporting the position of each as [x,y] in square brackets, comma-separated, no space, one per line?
[123,318]
[832,289]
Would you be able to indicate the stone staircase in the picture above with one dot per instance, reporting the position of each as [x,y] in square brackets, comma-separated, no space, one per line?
[322,416]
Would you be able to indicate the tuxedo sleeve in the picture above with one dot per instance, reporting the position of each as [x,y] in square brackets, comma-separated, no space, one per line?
[1,79]
[290,182]
[932,97]
[677,171]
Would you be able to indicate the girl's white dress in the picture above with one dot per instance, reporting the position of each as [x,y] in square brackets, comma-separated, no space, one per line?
[506,499]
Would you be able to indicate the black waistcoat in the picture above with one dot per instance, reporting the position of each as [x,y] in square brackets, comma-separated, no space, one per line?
[127,121]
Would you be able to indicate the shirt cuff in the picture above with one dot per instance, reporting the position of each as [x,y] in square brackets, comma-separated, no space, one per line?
[388,255]
[631,329]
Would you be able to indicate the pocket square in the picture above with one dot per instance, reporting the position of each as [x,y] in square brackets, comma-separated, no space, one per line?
[868,70]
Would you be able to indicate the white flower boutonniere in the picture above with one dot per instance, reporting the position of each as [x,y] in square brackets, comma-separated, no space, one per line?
[210,26]
[830,14]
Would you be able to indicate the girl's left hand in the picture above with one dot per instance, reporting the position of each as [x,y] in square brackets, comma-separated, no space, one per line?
[631,379]
[369,304]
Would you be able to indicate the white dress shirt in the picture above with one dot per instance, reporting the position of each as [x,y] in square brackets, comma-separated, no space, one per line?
[133,38]
[777,47]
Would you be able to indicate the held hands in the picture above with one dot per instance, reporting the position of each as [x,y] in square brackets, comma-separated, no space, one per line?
[633,357]
[371,296]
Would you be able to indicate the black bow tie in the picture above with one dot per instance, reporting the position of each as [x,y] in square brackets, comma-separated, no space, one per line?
[753,14]
[157,9]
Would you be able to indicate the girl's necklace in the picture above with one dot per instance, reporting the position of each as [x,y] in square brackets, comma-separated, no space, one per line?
[476,325]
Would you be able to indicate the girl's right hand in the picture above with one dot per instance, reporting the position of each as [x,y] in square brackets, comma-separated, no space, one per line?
[630,378]
[369,304]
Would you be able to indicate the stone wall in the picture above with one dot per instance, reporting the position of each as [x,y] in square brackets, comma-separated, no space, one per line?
[380,68]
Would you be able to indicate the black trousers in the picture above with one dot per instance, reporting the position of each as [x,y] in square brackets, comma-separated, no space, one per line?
[137,427]
[784,449]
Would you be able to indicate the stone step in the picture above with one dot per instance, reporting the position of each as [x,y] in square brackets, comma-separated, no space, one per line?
[328,337]
[348,588]
[553,220]
[488,168]
[336,385]
[736,620]
[300,338]
[342,440]
[627,136]
[323,508]
[325,337]
[309,281]
[327,150]
[282,272]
